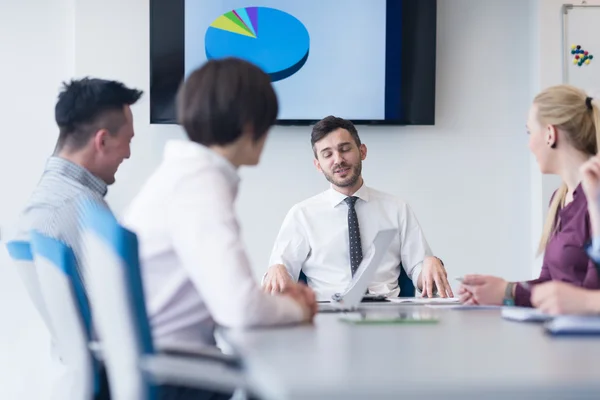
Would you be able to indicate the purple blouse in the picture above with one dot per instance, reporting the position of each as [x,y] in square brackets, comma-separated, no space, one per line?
[565,258]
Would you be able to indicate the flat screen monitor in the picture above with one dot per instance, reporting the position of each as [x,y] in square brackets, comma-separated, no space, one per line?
[369,61]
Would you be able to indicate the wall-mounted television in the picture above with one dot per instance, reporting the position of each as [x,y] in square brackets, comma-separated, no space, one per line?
[370,61]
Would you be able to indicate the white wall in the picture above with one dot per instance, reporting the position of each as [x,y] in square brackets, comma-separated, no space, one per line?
[469,178]
[37,55]
[548,18]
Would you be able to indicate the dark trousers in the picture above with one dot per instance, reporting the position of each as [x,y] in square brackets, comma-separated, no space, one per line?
[103,389]
[170,392]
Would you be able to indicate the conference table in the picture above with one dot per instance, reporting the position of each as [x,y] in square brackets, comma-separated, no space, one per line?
[468,354]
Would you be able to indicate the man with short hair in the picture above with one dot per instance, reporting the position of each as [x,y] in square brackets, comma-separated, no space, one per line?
[95,129]
[325,236]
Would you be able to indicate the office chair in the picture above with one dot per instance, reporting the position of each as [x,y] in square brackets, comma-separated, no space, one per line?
[69,313]
[407,288]
[20,253]
[135,368]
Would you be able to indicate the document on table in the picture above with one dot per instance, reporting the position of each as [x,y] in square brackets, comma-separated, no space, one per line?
[525,314]
[424,300]
[573,325]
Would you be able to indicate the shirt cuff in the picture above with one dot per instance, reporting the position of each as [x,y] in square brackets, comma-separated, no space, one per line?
[593,250]
[522,296]
[262,280]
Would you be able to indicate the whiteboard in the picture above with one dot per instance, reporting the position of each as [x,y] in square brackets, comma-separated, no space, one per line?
[581,27]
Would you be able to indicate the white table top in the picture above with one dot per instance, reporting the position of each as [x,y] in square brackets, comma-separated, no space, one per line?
[469,354]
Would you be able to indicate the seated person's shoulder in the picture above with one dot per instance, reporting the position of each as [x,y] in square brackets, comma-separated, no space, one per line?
[51,218]
[309,204]
[200,179]
[388,199]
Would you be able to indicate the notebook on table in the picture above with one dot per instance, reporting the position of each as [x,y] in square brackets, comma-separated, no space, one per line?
[573,325]
[525,314]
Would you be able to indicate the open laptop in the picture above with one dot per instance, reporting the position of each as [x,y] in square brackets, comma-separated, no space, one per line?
[350,298]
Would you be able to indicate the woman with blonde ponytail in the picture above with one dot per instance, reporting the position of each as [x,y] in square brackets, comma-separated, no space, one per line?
[564,134]
[566,298]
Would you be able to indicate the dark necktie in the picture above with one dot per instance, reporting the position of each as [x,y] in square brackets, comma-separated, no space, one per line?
[354,235]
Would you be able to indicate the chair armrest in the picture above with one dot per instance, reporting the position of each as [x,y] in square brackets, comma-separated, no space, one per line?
[163,369]
[182,349]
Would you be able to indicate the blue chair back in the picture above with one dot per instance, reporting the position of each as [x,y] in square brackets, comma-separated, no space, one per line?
[20,253]
[69,312]
[116,290]
[405,284]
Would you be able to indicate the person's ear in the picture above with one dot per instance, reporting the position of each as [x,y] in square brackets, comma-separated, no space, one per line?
[100,139]
[363,151]
[317,164]
[551,136]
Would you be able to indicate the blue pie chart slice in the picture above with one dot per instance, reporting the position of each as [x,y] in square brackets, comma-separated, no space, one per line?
[277,42]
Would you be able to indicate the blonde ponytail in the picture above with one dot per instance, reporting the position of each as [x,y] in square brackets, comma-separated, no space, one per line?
[558,201]
[576,115]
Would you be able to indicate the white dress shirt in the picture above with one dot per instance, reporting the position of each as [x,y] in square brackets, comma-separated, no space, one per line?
[194,266]
[314,239]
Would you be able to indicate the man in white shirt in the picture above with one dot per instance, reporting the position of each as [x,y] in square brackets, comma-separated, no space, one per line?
[325,236]
[195,270]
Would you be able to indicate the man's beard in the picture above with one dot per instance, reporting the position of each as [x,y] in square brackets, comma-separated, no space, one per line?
[347,181]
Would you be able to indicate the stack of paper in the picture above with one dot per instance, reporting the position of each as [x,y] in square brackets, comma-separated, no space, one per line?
[525,314]
[573,325]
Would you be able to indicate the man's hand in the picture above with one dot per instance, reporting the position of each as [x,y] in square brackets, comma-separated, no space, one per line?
[277,279]
[434,277]
[482,289]
[304,296]
[563,298]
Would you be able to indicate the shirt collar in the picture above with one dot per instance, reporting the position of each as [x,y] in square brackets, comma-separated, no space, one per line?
[337,197]
[77,173]
[577,190]
[186,149]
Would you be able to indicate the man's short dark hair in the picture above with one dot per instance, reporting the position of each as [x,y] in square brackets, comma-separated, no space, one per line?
[329,124]
[87,105]
[224,97]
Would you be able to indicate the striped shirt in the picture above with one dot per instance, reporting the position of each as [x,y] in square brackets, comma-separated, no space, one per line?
[54,206]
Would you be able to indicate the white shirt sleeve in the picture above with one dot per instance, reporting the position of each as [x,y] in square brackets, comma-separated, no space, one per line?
[291,246]
[594,249]
[206,237]
[414,247]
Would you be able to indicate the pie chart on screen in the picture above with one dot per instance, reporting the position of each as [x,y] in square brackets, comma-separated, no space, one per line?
[272,39]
